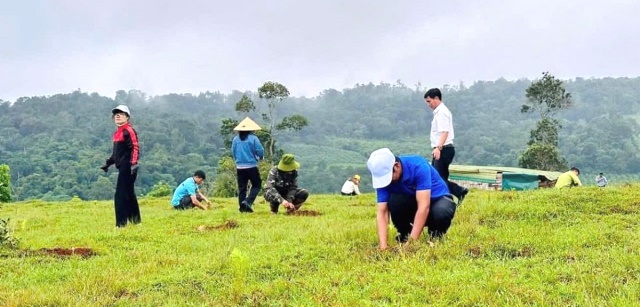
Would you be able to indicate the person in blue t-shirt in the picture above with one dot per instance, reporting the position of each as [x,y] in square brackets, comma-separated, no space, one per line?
[187,195]
[247,150]
[410,190]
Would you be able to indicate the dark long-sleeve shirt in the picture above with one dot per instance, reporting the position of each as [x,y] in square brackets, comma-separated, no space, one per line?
[280,185]
[125,146]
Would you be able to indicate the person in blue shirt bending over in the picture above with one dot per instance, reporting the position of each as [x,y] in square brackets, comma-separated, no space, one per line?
[187,195]
[412,192]
[247,150]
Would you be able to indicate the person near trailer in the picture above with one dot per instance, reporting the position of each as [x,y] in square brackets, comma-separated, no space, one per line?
[441,137]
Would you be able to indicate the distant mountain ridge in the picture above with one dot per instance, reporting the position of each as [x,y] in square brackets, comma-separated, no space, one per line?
[55,144]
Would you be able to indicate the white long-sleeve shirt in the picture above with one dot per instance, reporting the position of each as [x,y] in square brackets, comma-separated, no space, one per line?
[349,187]
[442,122]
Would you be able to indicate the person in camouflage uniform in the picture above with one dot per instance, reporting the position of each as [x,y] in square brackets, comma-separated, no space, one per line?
[282,188]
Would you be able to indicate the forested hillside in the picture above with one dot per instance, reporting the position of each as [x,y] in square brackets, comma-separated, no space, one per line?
[54,145]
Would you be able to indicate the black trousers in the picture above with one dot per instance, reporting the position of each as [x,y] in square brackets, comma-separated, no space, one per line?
[245,176]
[186,202]
[403,210]
[300,197]
[442,166]
[125,200]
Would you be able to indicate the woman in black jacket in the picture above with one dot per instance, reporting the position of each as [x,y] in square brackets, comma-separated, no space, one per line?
[125,157]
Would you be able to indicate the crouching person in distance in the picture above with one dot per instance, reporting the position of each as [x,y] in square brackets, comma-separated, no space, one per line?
[410,190]
[187,195]
[281,187]
[350,187]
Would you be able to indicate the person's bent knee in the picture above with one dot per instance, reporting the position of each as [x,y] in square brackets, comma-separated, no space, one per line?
[300,197]
[441,214]
[442,209]
[274,206]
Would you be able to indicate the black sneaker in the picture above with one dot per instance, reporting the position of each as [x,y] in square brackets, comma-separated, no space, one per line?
[462,196]
[244,207]
[402,238]
[247,207]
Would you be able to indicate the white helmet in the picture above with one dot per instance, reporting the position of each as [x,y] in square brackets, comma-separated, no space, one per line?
[121,108]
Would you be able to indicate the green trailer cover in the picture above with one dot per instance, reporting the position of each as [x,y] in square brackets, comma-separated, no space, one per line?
[519,181]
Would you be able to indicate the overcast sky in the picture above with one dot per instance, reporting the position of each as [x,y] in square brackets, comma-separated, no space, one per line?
[159,47]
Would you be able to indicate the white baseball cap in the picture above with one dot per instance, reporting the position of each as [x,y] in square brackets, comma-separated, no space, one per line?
[121,108]
[380,165]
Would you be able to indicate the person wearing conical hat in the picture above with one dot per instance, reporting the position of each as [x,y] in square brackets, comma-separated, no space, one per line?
[282,188]
[247,150]
[350,187]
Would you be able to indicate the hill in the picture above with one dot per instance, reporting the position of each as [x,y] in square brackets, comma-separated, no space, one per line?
[54,145]
[544,247]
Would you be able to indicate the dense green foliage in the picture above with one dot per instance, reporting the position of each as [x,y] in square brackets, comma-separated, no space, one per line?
[54,145]
[5,183]
[7,240]
[546,96]
[577,247]
[226,182]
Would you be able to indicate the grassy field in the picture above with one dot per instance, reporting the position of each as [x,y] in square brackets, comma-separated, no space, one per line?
[576,247]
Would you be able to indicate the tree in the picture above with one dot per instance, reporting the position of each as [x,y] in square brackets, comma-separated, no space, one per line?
[547,97]
[226,179]
[5,183]
[274,93]
[225,184]
[542,157]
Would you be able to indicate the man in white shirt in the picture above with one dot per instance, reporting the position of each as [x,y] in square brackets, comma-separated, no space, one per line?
[442,141]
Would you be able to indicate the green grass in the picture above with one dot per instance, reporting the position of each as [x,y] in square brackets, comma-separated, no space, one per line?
[576,247]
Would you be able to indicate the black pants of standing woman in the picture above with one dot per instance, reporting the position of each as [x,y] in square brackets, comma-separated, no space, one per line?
[126,202]
[246,175]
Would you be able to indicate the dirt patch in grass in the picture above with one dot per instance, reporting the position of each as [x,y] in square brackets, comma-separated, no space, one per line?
[474,252]
[230,224]
[362,204]
[124,293]
[623,209]
[305,213]
[513,253]
[490,222]
[83,252]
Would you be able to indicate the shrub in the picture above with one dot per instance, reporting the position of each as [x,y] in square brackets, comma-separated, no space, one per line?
[6,237]
[5,183]
[160,189]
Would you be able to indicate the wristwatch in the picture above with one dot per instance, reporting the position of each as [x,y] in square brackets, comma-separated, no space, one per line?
[439,147]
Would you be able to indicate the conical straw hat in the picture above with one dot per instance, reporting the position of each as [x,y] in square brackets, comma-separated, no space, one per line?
[247,125]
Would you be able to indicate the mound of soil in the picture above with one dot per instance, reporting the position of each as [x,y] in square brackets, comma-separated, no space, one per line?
[305,213]
[84,252]
[230,224]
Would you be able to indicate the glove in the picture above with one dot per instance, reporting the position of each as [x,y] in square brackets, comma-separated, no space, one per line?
[134,169]
[105,168]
